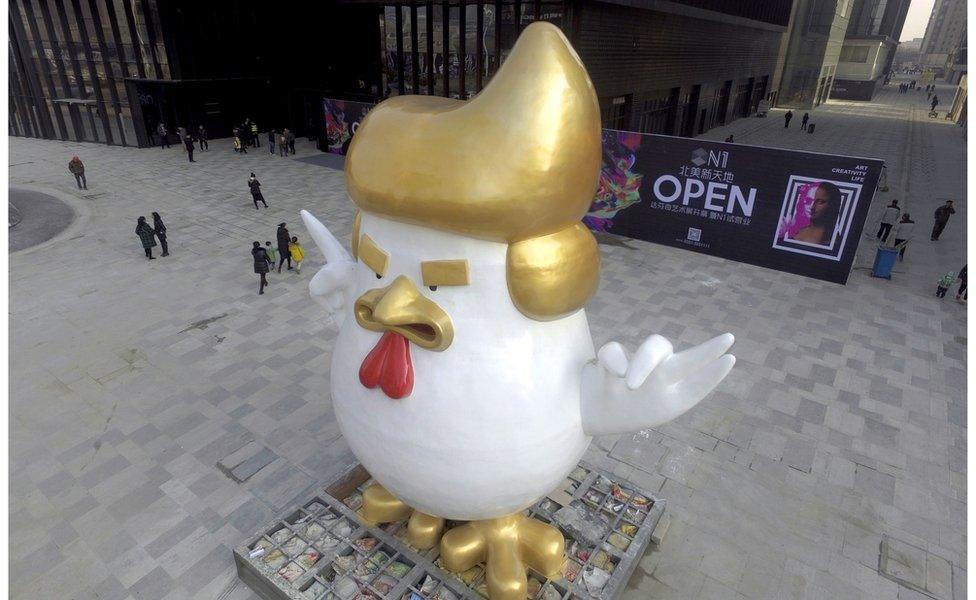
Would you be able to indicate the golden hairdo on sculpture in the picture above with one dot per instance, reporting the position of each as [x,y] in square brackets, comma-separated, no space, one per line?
[519,164]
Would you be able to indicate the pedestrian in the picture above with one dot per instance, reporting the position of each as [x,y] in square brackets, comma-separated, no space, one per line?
[260,264]
[255,185]
[888,218]
[944,284]
[147,236]
[271,141]
[942,215]
[803,123]
[935,101]
[188,143]
[77,169]
[787,117]
[202,138]
[904,231]
[290,138]
[163,135]
[271,252]
[282,145]
[962,294]
[730,139]
[254,133]
[283,240]
[160,230]
[297,254]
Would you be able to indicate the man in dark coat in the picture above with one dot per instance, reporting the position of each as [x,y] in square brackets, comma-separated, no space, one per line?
[188,142]
[147,236]
[941,218]
[261,261]
[787,117]
[160,228]
[283,238]
[202,138]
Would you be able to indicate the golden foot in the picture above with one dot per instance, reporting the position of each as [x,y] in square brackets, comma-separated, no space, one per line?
[508,545]
[380,506]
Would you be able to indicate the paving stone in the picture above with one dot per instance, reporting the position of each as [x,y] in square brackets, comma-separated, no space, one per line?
[870,373]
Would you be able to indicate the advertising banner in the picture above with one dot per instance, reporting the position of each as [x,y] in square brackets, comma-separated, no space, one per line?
[792,211]
[342,118]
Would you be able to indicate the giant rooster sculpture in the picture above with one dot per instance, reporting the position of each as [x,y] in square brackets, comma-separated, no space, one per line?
[464,377]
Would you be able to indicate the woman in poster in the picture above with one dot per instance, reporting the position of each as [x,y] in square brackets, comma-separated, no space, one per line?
[824,211]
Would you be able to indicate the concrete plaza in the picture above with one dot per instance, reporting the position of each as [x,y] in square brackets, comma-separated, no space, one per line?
[843,421]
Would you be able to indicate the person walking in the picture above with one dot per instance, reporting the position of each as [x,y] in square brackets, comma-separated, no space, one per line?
[260,264]
[160,230]
[202,138]
[77,169]
[290,138]
[942,215]
[147,236]
[935,102]
[282,146]
[254,133]
[188,144]
[297,254]
[163,135]
[787,117]
[888,218]
[904,233]
[256,195]
[803,123]
[283,240]
[271,141]
[961,294]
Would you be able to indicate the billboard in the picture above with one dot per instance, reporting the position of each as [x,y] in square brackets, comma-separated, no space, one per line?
[340,121]
[792,211]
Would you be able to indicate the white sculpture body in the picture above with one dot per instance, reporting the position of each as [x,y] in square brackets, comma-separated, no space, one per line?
[493,422]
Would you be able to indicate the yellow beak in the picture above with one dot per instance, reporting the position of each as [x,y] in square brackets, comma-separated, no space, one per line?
[400,307]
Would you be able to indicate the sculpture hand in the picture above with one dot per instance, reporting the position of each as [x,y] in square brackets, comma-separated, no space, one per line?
[621,394]
[332,284]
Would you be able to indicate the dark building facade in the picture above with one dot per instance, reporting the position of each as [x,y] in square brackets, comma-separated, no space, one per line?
[110,70]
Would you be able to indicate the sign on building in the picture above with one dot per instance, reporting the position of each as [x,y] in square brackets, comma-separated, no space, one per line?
[793,211]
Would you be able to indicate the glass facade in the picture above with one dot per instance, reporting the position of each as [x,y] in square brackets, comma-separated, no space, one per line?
[451,49]
[68,64]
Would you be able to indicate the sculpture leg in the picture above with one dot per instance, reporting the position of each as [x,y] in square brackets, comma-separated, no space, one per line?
[380,506]
[508,545]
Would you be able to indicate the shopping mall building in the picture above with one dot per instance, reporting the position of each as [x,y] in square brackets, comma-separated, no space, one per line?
[110,70]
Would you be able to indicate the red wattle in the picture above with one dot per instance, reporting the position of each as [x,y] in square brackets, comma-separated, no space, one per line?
[388,366]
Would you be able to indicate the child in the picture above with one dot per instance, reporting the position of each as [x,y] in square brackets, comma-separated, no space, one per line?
[271,252]
[298,254]
[947,280]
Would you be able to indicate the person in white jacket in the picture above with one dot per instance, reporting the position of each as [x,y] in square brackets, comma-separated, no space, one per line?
[888,218]
[903,234]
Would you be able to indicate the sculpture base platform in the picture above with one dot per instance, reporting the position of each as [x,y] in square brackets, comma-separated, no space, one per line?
[323,549]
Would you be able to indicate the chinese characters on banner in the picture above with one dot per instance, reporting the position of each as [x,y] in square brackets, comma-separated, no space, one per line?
[792,211]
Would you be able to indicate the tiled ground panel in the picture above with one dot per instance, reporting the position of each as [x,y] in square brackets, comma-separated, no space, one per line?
[323,550]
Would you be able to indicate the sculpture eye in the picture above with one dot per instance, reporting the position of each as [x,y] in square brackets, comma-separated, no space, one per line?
[433,288]
[378,276]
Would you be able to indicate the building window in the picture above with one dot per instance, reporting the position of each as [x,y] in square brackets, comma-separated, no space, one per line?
[854,54]
[616,112]
[653,116]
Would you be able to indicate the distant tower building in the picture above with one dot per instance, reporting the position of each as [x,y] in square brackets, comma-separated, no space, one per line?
[945,33]
[815,37]
[869,47]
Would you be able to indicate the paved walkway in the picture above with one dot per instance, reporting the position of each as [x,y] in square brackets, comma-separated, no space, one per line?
[844,419]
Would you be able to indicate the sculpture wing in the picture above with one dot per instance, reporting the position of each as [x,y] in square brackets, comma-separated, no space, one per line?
[332,285]
[621,394]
